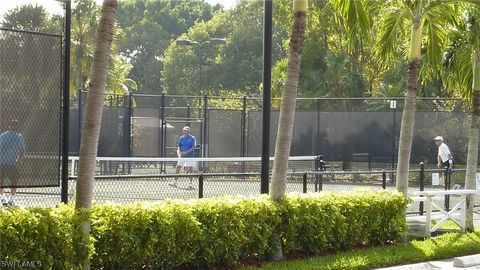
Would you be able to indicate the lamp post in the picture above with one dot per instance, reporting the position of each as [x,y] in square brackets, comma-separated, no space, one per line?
[199,45]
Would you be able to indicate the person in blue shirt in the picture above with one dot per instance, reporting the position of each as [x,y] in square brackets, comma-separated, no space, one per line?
[12,147]
[185,150]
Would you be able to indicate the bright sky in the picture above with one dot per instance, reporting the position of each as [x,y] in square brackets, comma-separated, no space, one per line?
[54,7]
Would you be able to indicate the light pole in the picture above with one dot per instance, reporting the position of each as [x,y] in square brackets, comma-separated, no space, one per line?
[199,45]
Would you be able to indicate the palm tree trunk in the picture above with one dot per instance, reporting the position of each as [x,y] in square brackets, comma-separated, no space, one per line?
[408,116]
[287,107]
[92,121]
[472,157]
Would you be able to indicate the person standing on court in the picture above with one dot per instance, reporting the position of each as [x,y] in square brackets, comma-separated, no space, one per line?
[444,157]
[185,151]
[12,147]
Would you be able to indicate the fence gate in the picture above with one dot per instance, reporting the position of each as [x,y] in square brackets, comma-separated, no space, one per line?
[31,94]
[172,130]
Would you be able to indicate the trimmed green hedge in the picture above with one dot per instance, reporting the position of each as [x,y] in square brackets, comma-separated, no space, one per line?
[203,233]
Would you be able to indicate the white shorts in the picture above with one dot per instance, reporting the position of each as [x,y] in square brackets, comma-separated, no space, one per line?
[186,162]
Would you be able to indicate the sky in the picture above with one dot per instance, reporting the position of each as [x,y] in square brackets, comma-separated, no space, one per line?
[54,7]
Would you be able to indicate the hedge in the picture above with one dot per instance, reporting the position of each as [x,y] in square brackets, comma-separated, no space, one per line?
[203,233]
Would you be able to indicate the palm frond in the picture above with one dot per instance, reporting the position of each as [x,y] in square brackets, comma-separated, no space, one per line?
[435,43]
[458,64]
[392,27]
[355,18]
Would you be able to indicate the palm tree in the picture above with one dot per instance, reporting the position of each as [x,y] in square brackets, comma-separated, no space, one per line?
[85,25]
[92,121]
[432,17]
[463,74]
[287,112]
[287,107]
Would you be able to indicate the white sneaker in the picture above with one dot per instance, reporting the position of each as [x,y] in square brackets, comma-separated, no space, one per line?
[11,203]
[4,201]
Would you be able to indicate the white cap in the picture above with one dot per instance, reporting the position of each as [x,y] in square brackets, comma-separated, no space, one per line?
[186,128]
[438,138]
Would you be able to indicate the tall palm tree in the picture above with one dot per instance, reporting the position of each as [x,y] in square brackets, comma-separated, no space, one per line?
[287,107]
[92,120]
[432,17]
[463,74]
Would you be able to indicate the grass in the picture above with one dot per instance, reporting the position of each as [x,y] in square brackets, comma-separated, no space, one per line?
[444,246]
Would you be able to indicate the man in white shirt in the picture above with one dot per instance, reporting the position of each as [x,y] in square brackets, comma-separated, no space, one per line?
[444,157]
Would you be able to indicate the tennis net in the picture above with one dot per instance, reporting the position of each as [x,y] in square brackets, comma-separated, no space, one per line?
[149,165]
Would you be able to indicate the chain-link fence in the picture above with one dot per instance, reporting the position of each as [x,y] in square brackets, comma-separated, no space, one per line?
[358,133]
[30,112]
[145,181]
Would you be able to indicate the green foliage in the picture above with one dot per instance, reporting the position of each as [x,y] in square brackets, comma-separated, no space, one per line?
[38,235]
[227,68]
[318,224]
[133,236]
[32,18]
[200,233]
[458,62]
[85,19]
[150,27]
[234,228]
[444,246]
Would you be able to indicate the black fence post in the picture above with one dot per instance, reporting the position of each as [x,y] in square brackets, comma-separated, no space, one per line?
[317,141]
[323,168]
[200,186]
[267,85]
[305,182]
[447,174]
[66,104]
[243,127]
[422,185]
[127,129]
[384,179]
[162,126]
[317,168]
[205,126]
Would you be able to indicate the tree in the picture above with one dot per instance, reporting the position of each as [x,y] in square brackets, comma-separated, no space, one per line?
[84,29]
[338,52]
[32,18]
[463,74]
[242,54]
[287,107]
[92,121]
[85,24]
[287,111]
[150,26]
[429,16]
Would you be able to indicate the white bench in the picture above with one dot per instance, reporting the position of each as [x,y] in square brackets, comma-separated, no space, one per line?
[456,214]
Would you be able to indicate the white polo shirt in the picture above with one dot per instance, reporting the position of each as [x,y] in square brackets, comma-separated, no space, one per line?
[443,152]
